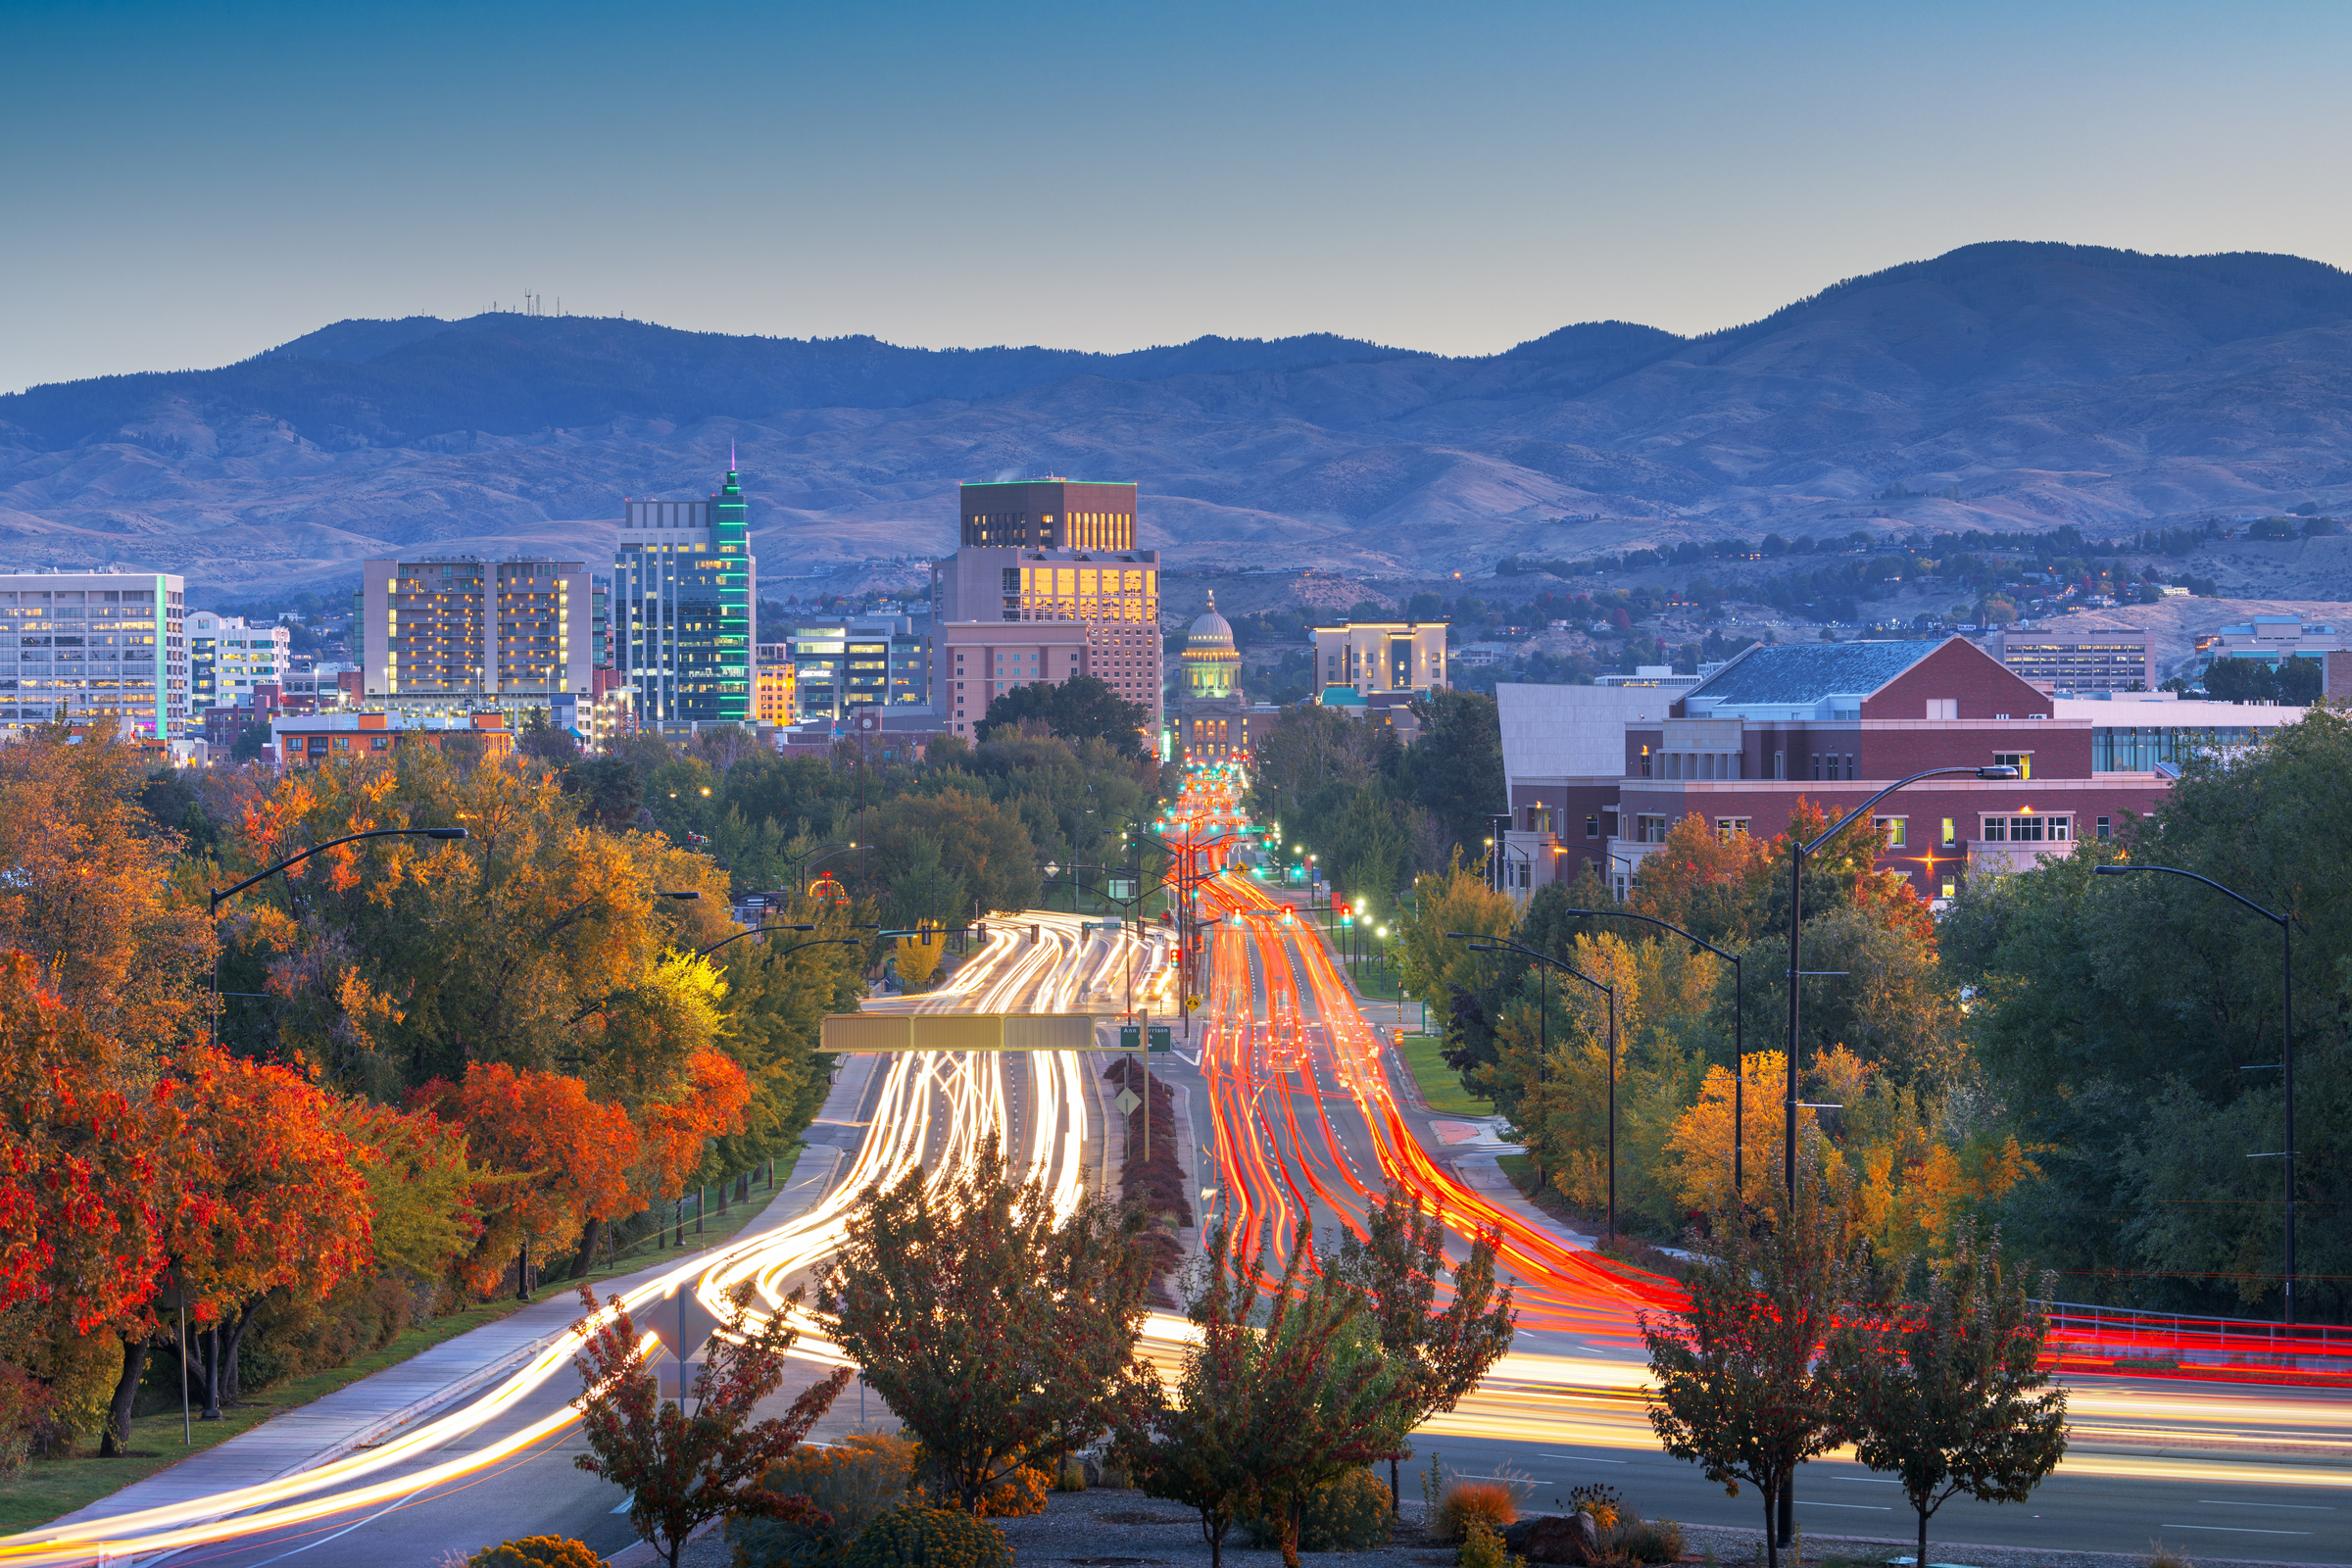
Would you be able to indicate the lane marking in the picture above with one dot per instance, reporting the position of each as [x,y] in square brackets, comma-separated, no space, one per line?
[1861,1508]
[1584,1458]
[2298,1507]
[2236,1530]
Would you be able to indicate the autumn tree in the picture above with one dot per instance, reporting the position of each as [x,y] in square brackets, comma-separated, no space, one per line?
[1948,1392]
[537,943]
[1310,1398]
[89,1134]
[551,1159]
[775,1004]
[1080,708]
[992,1330]
[1701,1141]
[1201,1449]
[674,1136]
[275,1198]
[1738,1388]
[1437,1356]
[88,888]
[685,1464]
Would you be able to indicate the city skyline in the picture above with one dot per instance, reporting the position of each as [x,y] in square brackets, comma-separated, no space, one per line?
[1454,184]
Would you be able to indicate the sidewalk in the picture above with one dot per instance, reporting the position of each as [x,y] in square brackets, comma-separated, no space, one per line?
[368,1412]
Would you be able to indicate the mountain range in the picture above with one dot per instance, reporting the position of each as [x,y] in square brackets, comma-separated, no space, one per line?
[1999,386]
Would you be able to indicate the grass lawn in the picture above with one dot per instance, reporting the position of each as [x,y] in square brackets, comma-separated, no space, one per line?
[1439,1084]
[47,1488]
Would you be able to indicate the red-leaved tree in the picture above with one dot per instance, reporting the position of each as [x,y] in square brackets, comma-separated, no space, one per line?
[682,1465]
[549,1160]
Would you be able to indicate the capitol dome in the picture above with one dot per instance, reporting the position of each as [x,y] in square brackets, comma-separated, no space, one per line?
[1213,667]
[1211,630]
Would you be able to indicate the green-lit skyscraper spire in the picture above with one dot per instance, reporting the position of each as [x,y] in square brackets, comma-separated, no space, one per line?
[683,589]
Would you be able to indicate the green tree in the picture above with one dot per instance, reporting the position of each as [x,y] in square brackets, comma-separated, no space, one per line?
[1080,708]
[1948,1394]
[992,1330]
[986,845]
[1455,770]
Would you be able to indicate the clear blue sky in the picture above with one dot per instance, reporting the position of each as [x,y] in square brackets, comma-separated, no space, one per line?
[188,183]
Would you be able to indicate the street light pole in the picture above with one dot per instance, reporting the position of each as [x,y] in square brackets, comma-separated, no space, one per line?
[2286,991]
[1498,944]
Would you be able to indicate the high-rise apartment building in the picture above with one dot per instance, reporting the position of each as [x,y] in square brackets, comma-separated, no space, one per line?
[1020,563]
[227,658]
[683,588]
[84,646]
[460,633]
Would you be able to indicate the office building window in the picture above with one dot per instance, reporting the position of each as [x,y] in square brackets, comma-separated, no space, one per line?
[2028,830]
[1592,825]
[1951,832]
[1894,831]
[1650,829]
[1951,888]
[2023,762]
[1730,826]
[2106,830]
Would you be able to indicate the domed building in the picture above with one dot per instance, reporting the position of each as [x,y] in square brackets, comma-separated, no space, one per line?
[1212,716]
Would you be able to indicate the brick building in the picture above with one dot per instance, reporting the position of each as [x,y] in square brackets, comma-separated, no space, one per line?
[1829,722]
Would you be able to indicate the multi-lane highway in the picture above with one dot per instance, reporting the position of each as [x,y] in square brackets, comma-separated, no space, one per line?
[1301,1112]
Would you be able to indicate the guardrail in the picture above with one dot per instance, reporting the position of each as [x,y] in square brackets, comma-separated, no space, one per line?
[2151,1340]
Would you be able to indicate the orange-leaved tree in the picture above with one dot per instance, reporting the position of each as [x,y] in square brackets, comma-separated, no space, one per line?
[88,1147]
[276,1199]
[676,1134]
[549,1161]
[89,892]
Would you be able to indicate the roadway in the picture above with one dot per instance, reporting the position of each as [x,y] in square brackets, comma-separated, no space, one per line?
[1294,1097]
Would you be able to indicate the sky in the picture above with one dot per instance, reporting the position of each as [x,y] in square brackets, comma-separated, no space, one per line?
[190,183]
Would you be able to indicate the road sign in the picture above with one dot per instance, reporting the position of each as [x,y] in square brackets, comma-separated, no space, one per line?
[1127,1102]
[864,1031]
[1160,1037]
[684,1326]
[1131,1037]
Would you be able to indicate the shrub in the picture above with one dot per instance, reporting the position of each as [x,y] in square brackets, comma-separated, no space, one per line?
[1650,1539]
[1482,1547]
[536,1551]
[856,1482]
[1072,1477]
[1022,1493]
[24,1405]
[915,1537]
[2160,1555]
[1352,1514]
[1489,1503]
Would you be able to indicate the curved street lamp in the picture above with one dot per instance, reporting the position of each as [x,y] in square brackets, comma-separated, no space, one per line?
[222,895]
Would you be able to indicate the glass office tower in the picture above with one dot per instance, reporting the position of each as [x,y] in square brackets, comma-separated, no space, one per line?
[683,587]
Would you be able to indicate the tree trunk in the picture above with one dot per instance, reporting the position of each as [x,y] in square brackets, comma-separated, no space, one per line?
[230,1387]
[1217,1541]
[1920,1561]
[117,1440]
[212,1374]
[522,1271]
[585,1259]
[1772,1534]
[198,1373]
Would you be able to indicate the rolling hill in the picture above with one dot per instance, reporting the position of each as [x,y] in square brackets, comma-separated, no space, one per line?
[2001,385]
